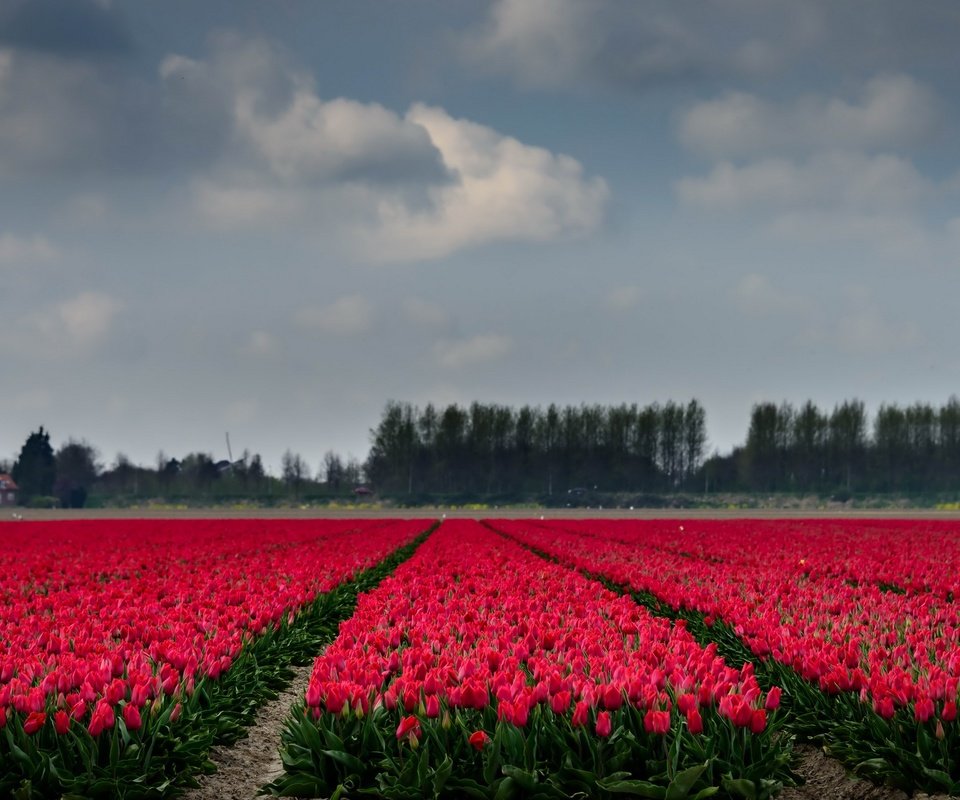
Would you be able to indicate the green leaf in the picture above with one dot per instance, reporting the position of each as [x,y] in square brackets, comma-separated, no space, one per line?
[635,788]
[683,783]
[741,787]
[342,757]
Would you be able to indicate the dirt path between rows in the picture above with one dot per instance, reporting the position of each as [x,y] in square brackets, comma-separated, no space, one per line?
[244,767]
[826,779]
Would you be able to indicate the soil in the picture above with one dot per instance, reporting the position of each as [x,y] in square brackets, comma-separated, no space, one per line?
[826,779]
[254,761]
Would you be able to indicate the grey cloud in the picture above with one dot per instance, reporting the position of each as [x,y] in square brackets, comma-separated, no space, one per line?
[890,111]
[632,45]
[65,28]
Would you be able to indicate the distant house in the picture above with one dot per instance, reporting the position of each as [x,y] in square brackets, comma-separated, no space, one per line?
[8,490]
[363,491]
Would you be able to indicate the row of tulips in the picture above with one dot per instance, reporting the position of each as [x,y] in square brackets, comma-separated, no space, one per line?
[128,648]
[479,669]
[870,659]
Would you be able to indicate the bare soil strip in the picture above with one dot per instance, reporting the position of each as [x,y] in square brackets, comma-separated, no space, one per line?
[826,779]
[254,761]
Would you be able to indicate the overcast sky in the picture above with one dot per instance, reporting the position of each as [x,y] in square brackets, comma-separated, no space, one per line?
[269,218]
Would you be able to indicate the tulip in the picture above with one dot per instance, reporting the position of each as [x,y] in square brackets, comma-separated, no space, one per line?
[433,707]
[694,721]
[949,713]
[580,711]
[131,717]
[773,699]
[34,722]
[409,728]
[478,740]
[603,724]
[656,722]
[61,722]
[102,718]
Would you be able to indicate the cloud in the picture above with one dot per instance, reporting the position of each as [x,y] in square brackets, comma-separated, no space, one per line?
[389,187]
[829,180]
[18,252]
[247,135]
[348,316]
[506,190]
[281,128]
[564,44]
[892,111]
[458,353]
[65,28]
[72,328]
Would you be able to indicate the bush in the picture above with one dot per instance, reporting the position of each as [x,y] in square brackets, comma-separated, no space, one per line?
[43,501]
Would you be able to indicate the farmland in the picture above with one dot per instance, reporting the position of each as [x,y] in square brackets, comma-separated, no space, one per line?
[496,658]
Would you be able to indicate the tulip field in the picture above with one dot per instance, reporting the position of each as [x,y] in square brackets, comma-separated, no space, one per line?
[556,658]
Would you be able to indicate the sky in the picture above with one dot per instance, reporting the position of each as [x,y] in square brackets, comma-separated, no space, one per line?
[269,218]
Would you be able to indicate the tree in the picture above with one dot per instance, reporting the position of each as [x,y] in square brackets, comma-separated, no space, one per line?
[35,469]
[332,470]
[77,469]
[295,471]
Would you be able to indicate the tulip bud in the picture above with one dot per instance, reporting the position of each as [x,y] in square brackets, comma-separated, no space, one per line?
[478,740]
[603,724]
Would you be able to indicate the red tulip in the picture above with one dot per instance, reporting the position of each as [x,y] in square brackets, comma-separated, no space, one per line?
[694,721]
[34,722]
[409,728]
[656,722]
[603,724]
[478,740]
[61,722]
[773,699]
[580,711]
[131,717]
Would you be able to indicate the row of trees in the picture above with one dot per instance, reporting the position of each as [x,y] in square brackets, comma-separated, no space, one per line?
[905,449]
[73,475]
[494,449]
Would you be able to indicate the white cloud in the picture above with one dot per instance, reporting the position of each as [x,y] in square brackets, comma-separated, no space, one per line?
[388,187]
[892,111]
[506,190]
[19,251]
[457,353]
[71,328]
[348,316]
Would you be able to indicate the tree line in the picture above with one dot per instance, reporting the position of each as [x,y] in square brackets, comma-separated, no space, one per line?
[73,477]
[490,449]
[553,455]
[911,449]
